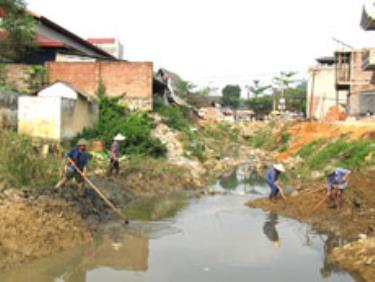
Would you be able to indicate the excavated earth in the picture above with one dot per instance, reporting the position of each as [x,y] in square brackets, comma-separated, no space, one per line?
[43,222]
[30,229]
[355,220]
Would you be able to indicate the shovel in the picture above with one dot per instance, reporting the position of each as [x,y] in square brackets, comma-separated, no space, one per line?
[100,193]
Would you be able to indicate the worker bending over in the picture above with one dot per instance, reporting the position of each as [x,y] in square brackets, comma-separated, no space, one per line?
[80,158]
[272,179]
[337,178]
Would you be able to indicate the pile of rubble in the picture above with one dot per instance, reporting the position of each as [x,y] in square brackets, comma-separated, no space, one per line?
[176,153]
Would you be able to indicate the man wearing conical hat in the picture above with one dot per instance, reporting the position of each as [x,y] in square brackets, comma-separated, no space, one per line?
[115,154]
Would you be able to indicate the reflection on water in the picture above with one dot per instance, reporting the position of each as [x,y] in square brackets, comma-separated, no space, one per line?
[117,249]
[242,180]
[212,239]
[269,229]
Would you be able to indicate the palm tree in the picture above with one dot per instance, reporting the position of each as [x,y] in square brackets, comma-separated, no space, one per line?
[256,89]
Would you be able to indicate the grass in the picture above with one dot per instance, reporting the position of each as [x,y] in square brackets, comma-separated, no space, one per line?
[24,166]
[354,157]
[263,139]
[349,154]
[327,153]
[173,116]
[285,137]
[308,149]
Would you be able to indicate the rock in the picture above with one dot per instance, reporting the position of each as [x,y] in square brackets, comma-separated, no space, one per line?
[295,193]
[14,195]
[362,236]
[317,174]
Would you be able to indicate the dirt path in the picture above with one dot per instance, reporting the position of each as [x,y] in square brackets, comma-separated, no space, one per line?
[356,218]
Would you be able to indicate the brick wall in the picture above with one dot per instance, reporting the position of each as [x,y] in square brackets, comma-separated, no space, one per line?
[133,80]
[16,76]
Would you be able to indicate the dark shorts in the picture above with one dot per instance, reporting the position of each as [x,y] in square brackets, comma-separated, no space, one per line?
[73,174]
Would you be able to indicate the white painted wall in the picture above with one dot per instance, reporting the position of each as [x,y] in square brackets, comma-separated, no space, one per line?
[322,89]
[57,113]
[39,117]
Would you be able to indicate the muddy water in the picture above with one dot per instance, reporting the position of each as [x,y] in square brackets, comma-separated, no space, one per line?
[214,238]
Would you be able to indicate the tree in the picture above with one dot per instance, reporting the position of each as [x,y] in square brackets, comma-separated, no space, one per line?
[260,105]
[231,96]
[184,88]
[285,79]
[282,82]
[296,97]
[18,42]
[257,89]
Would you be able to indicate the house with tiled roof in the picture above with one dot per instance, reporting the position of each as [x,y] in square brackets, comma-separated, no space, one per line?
[54,42]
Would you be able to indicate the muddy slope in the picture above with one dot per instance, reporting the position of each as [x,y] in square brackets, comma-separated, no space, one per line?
[30,229]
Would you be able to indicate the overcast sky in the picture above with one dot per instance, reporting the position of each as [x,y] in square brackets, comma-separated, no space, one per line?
[216,41]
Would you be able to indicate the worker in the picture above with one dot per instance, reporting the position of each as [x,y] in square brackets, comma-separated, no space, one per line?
[80,157]
[337,178]
[272,179]
[115,154]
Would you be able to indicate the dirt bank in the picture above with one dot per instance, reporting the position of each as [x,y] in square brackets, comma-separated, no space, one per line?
[356,257]
[303,133]
[356,217]
[30,229]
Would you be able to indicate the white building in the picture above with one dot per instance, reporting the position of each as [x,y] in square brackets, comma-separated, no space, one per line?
[58,112]
[321,89]
[112,46]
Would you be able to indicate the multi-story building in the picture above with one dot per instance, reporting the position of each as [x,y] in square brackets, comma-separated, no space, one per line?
[112,46]
[321,91]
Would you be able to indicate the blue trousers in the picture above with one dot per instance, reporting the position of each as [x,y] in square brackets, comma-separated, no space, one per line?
[274,189]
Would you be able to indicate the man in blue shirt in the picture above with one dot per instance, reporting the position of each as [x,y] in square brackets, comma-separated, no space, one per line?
[272,179]
[81,158]
[337,177]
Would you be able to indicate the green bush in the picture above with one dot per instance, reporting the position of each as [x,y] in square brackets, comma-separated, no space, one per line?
[136,127]
[22,163]
[173,116]
[37,78]
[263,139]
[283,148]
[285,137]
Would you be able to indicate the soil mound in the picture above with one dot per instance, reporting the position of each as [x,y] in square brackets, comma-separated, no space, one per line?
[31,229]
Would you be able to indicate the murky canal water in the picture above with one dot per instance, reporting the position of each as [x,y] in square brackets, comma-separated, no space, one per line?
[215,238]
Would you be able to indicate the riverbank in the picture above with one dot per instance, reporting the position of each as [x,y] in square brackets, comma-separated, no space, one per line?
[309,149]
[40,221]
[33,228]
[142,187]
